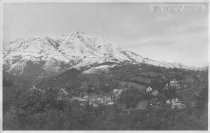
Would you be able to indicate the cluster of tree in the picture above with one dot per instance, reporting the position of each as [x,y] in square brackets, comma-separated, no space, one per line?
[202,99]
[42,110]
[33,109]
[131,97]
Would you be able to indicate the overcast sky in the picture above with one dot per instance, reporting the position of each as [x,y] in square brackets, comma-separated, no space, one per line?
[168,32]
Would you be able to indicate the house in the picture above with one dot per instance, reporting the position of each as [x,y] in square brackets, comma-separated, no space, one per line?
[166,86]
[86,97]
[168,102]
[175,100]
[63,91]
[175,103]
[174,83]
[149,89]
[62,94]
[177,106]
[79,99]
[154,93]
[117,92]
[110,103]
[108,98]
[93,104]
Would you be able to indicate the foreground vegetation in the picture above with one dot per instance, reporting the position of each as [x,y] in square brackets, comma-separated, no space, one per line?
[27,108]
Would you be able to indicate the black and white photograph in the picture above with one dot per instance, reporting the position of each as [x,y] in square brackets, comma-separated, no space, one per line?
[88,66]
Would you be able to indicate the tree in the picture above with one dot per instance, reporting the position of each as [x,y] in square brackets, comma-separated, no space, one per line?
[130,97]
[158,83]
[202,98]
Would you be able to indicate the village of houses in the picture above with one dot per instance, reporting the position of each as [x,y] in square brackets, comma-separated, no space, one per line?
[154,102]
[157,98]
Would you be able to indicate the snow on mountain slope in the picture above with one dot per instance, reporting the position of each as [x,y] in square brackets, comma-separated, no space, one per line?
[35,50]
[54,54]
[104,68]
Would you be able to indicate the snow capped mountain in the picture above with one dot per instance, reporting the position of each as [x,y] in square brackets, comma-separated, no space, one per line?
[54,54]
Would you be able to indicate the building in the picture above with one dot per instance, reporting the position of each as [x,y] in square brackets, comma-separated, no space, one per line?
[174,83]
[155,93]
[175,103]
[149,89]
[117,92]
[110,103]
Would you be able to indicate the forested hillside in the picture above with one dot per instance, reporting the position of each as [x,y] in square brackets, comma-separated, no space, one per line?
[113,98]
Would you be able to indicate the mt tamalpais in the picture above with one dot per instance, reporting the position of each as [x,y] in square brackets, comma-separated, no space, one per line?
[82,82]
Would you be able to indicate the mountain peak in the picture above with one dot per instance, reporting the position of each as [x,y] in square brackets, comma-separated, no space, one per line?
[58,53]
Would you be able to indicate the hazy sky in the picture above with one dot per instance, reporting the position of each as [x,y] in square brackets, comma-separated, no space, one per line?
[169,32]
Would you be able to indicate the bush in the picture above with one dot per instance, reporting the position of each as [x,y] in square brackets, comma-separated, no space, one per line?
[130,97]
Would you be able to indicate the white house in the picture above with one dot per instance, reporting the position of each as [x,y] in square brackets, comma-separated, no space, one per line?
[149,89]
[175,103]
[175,100]
[110,103]
[168,101]
[117,92]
